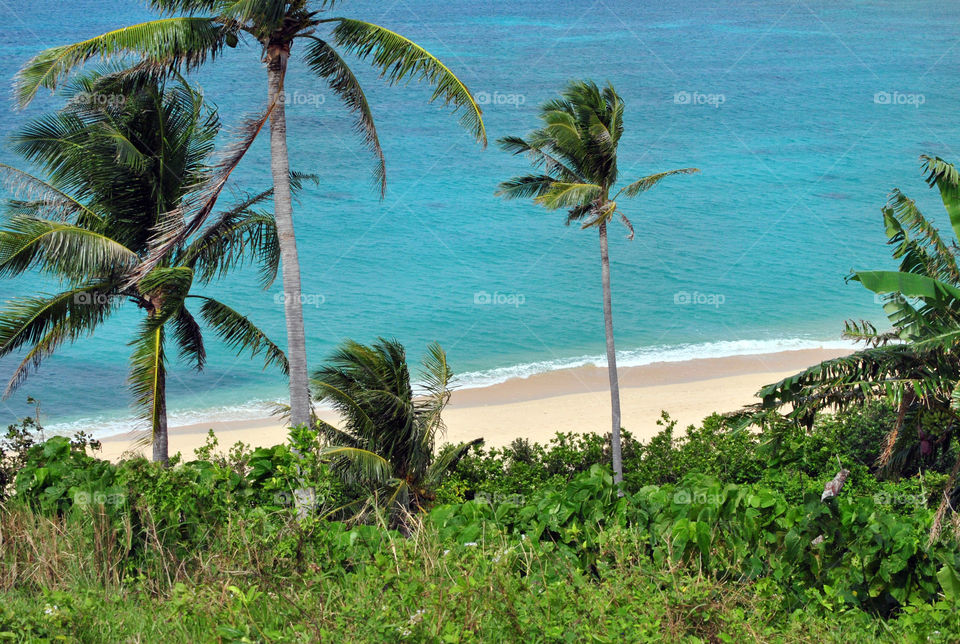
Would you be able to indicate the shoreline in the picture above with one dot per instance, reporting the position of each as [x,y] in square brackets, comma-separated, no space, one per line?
[536,407]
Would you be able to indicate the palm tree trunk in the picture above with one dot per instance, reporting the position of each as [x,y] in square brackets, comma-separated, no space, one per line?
[290,263]
[161,452]
[611,357]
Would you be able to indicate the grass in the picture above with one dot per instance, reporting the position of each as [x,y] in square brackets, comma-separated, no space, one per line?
[60,580]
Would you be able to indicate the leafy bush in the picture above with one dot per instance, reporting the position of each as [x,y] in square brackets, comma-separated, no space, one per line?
[783,456]
[851,547]
[13,452]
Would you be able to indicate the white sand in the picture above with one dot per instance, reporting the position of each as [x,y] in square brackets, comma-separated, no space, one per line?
[570,400]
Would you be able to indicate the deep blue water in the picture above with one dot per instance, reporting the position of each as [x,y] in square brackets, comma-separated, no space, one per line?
[776,102]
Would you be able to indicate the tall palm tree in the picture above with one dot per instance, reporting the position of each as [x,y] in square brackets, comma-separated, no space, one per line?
[192,31]
[113,169]
[576,151]
[389,434]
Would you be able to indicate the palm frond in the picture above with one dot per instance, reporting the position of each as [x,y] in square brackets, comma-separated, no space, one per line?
[28,320]
[240,334]
[183,6]
[916,242]
[189,338]
[174,229]
[865,332]
[884,372]
[327,64]
[148,375]
[448,458]
[525,186]
[72,252]
[435,376]
[399,58]
[240,234]
[232,241]
[46,323]
[541,157]
[263,17]
[170,42]
[55,203]
[335,436]
[645,183]
[569,195]
[359,464]
[946,178]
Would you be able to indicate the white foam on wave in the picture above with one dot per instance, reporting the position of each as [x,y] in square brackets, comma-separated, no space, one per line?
[649,355]
[111,425]
[103,426]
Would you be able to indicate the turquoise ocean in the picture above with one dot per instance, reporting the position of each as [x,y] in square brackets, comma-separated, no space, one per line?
[801,115]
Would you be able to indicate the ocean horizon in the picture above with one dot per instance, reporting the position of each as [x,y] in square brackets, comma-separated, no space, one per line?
[801,117]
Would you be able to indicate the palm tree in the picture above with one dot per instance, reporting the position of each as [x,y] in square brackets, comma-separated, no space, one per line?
[114,168]
[914,365]
[388,436]
[576,151]
[192,31]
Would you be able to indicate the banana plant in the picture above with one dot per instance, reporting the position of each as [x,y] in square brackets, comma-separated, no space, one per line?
[914,364]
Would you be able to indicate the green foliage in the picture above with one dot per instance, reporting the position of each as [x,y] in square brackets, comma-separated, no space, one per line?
[14,448]
[115,172]
[861,553]
[56,476]
[719,535]
[387,442]
[781,455]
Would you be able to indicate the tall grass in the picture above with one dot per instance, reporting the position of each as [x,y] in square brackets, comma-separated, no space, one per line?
[102,581]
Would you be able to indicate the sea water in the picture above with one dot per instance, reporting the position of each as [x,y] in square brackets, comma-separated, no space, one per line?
[801,116]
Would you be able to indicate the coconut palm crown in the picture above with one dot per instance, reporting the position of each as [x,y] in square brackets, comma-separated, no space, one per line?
[389,434]
[124,151]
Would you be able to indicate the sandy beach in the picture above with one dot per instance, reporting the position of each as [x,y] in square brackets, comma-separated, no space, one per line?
[569,400]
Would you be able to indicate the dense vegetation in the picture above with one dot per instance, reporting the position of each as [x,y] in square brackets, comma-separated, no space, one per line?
[719,535]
